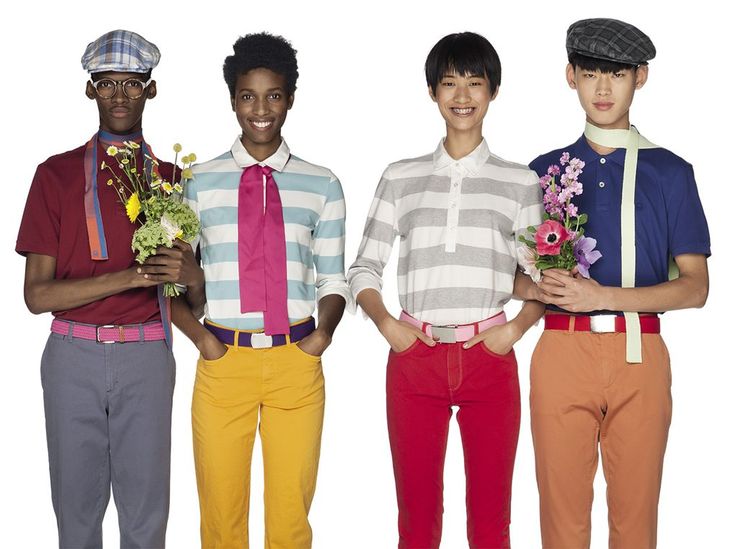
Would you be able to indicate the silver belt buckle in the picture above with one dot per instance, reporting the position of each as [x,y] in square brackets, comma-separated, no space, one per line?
[444,334]
[602,323]
[97,332]
[261,341]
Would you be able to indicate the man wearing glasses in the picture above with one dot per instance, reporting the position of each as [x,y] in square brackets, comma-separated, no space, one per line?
[107,370]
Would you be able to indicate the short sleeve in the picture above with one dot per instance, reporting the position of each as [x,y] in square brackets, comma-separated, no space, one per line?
[41,222]
[688,232]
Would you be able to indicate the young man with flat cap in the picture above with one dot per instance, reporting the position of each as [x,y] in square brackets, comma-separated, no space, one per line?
[600,374]
[107,370]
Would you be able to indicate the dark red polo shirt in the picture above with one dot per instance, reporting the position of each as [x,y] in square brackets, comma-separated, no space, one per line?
[54,224]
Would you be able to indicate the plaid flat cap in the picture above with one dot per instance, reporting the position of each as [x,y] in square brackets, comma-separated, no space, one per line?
[610,40]
[120,51]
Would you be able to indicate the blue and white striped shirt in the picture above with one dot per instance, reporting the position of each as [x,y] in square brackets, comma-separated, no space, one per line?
[314,219]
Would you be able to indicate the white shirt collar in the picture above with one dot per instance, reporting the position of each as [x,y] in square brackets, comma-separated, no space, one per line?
[277,160]
[471,162]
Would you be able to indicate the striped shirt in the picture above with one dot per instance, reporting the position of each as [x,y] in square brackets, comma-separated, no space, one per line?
[314,220]
[458,223]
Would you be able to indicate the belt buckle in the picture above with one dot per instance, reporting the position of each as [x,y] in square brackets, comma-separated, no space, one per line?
[444,334]
[97,333]
[602,323]
[261,341]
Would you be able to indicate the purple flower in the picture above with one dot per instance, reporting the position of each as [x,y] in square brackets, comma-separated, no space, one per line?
[564,179]
[572,210]
[553,170]
[576,164]
[585,254]
[564,158]
[544,181]
[575,188]
[565,195]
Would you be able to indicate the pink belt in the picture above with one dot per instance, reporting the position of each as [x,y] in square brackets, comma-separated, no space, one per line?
[454,334]
[151,331]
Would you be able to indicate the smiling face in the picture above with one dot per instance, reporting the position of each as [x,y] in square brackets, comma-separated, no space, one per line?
[463,101]
[261,104]
[119,114]
[606,97]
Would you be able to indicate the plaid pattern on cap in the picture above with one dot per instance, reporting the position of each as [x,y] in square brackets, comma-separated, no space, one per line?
[610,40]
[120,51]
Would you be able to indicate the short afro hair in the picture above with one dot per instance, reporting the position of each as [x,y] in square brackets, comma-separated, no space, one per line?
[261,50]
[465,53]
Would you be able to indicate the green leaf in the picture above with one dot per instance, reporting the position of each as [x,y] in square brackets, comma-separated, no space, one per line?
[582,219]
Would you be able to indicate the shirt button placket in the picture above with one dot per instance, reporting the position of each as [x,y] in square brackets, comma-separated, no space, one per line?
[453,208]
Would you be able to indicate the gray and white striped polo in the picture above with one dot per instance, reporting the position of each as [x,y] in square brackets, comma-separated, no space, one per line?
[458,223]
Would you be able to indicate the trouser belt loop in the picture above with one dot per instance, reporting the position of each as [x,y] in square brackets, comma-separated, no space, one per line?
[70,333]
[572,321]
[141,335]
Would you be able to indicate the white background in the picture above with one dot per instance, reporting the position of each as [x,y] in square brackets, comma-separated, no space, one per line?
[361,103]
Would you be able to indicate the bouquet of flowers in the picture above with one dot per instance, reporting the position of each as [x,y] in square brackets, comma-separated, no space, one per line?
[142,191]
[559,242]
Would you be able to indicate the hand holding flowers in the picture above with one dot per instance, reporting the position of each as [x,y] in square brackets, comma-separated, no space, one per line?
[143,191]
[559,242]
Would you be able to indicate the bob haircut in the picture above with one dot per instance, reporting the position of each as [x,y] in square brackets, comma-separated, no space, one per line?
[467,54]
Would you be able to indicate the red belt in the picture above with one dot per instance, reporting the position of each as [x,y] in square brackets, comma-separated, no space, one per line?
[111,333]
[650,324]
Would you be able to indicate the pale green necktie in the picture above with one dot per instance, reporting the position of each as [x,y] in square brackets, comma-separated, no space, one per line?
[631,141]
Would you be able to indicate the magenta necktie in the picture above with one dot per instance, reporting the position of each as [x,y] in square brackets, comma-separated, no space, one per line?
[261,246]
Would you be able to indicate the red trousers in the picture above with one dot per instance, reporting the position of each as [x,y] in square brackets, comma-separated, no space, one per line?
[423,383]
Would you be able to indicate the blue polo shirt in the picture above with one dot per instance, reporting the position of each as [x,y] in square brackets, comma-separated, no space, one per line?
[669,218]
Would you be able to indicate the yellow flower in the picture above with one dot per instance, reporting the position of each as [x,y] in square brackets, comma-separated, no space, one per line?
[187,173]
[167,187]
[125,161]
[192,157]
[132,207]
[109,182]
[179,234]
[178,188]
[112,150]
[103,165]
[185,159]
[155,184]
[132,144]
[177,147]
[133,170]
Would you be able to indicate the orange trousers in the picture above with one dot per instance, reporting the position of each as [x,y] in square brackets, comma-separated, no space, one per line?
[585,398]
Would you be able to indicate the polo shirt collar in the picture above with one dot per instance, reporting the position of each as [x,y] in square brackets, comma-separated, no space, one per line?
[582,145]
[277,160]
[471,162]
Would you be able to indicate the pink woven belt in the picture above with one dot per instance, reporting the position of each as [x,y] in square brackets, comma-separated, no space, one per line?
[151,331]
[454,334]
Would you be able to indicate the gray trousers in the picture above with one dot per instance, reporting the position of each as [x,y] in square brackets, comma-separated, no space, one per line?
[108,422]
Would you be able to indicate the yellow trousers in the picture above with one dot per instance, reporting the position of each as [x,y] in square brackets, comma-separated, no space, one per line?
[284,388]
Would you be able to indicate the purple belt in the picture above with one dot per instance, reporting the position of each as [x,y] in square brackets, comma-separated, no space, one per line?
[259,340]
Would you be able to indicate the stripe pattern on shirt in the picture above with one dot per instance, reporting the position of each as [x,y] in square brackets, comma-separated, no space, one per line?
[458,222]
[314,223]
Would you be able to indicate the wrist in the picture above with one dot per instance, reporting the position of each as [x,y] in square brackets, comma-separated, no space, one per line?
[517,329]
[606,299]
[383,323]
[322,335]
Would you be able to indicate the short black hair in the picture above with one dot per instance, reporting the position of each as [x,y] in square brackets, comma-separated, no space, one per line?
[261,50]
[465,53]
[593,64]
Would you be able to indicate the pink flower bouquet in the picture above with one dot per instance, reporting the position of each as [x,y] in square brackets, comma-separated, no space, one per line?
[559,241]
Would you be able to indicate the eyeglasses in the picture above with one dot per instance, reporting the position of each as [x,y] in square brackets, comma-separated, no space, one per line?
[132,87]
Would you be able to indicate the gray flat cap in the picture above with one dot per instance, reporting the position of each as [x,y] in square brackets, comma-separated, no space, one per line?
[610,40]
